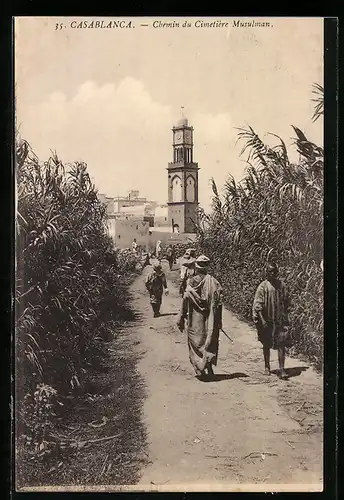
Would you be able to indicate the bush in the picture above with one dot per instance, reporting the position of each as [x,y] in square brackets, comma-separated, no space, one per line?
[38,420]
[180,248]
[128,262]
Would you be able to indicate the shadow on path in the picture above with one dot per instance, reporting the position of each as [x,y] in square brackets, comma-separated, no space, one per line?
[223,376]
[293,372]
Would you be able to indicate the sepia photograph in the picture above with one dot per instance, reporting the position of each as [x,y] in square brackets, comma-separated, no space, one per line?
[169,191]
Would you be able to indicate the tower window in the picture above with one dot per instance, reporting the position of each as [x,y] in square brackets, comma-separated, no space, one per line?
[190,189]
[176,189]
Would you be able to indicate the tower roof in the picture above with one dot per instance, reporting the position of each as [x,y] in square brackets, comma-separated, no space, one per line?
[182,122]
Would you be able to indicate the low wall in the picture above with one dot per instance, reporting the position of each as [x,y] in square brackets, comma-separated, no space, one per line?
[123,233]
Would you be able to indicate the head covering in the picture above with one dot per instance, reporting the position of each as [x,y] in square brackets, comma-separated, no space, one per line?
[186,254]
[189,253]
[202,262]
[157,268]
[189,262]
[271,267]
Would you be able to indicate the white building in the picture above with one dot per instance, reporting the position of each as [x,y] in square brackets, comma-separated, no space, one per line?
[124,231]
[122,203]
[161,216]
[131,207]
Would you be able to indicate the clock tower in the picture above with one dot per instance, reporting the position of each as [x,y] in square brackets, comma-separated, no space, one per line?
[182,180]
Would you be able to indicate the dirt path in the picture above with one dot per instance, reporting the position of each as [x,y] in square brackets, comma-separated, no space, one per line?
[242,428]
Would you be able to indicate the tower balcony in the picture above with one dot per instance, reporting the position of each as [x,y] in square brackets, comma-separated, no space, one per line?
[182,165]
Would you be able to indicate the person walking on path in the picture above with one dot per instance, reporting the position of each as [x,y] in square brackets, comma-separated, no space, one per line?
[158,250]
[134,246]
[174,253]
[155,284]
[145,259]
[201,308]
[270,313]
[170,256]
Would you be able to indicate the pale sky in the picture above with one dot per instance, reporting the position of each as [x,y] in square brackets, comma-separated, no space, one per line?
[110,97]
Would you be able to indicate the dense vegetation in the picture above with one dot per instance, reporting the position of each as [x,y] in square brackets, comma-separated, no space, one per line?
[71,296]
[275,212]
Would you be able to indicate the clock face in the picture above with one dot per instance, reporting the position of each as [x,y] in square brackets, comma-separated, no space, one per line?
[188,136]
[178,137]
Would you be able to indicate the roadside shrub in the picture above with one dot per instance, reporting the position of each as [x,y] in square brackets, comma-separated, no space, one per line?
[70,287]
[180,248]
[38,420]
[128,262]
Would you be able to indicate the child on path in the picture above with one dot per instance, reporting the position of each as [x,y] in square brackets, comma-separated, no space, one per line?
[155,284]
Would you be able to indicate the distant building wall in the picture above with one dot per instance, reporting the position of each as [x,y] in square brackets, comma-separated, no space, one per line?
[124,231]
[142,210]
[134,194]
[150,220]
[161,222]
[161,217]
[120,204]
[109,205]
[133,217]
[109,202]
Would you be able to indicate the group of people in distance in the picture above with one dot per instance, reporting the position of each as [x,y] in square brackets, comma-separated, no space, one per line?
[201,308]
[156,254]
